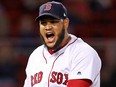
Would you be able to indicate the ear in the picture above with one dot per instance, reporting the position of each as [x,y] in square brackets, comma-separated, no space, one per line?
[66,23]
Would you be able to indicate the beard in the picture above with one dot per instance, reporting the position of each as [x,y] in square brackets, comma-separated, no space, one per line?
[58,42]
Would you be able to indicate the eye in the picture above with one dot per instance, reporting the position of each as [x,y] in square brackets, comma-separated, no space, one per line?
[43,23]
[53,21]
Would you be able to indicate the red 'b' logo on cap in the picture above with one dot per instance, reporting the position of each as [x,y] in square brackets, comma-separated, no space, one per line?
[48,7]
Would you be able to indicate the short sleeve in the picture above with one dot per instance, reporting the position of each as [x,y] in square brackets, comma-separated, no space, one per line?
[85,65]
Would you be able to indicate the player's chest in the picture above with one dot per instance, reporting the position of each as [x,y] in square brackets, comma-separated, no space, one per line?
[51,71]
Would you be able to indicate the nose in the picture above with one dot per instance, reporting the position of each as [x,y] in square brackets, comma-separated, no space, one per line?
[48,26]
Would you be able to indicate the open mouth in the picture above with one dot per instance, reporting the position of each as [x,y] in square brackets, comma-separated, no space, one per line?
[50,37]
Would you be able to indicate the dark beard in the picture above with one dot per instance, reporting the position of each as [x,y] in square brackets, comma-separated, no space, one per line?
[59,41]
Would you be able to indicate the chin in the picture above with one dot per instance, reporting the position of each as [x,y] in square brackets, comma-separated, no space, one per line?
[54,47]
[51,47]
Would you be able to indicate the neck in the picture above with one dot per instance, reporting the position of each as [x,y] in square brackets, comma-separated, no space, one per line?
[65,41]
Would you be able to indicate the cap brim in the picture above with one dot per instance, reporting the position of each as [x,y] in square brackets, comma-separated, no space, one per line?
[46,14]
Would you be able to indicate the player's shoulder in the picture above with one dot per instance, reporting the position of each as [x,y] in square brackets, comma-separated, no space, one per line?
[80,45]
[34,55]
[37,50]
[83,49]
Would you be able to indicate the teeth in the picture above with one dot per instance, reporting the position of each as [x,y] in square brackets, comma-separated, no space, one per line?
[49,35]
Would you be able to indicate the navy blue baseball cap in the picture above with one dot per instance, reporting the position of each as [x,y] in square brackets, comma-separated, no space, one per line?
[54,9]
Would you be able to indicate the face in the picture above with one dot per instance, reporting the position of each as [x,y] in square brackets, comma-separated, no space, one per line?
[52,32]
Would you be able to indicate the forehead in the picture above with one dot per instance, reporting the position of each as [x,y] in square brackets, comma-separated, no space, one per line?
[43,18]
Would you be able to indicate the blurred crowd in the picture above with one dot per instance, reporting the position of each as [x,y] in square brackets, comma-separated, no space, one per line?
[92,20]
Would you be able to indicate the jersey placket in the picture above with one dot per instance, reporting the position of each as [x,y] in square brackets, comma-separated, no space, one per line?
[51,59]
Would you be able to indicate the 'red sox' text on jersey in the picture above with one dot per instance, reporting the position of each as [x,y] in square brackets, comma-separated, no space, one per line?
[76,60]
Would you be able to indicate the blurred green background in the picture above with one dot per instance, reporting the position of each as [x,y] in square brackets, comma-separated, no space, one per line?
[92,20]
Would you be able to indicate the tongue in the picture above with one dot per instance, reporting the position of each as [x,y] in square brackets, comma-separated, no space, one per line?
[50,39]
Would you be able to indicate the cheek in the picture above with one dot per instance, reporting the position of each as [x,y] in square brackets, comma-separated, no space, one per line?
[58,31]
[41,30]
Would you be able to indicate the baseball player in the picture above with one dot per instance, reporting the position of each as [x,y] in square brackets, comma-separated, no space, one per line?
[63,60]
